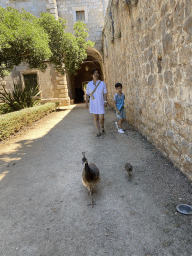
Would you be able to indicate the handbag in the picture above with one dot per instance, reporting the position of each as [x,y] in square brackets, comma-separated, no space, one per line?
[91,94]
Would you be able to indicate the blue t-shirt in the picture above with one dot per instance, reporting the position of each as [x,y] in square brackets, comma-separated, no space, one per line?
[119,100]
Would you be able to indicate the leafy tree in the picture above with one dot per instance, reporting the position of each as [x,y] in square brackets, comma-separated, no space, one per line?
[38,41]
[21,39]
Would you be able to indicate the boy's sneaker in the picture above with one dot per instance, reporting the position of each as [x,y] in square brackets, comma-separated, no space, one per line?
[120,131]
[117,125]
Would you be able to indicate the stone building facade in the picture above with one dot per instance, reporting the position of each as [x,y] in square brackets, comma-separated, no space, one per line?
[150,41]
[52,85]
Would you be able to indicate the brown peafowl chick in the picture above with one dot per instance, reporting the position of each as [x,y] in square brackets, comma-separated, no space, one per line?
[90,175]
[128,168]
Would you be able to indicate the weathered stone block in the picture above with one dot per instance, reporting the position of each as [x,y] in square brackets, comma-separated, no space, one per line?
[171,3]
[160,79]
[169,22]
[63,95]
[147,41]
[147,69]
[165,63]
[172,92]
[167,43]
[177,76]
[188,26]
[157,31]
[53,11]
[61,81]
[179,14]
[173,59]
[168,109]
[164,9]
[185,55]
[168,77]
[189,114]
[188,8]
[152,66]
[185,147]
[149,54]
[179,111]
[188,77]
[151,80]
[152,22]
[64,91]
[59,78]
[61,86]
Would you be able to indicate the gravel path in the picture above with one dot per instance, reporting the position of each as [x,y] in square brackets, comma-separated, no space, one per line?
[43,209]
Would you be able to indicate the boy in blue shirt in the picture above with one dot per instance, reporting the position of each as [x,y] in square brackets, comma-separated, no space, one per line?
[119,107]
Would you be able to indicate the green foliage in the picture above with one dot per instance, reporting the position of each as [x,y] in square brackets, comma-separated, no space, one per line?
[68,50]
[18,98]
[21,39]
[37,41]
[56,104]
[4,109]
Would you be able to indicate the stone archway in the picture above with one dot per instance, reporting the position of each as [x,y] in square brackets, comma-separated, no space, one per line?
[78,82]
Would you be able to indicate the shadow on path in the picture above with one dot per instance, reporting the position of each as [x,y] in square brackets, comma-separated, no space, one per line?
[44,204]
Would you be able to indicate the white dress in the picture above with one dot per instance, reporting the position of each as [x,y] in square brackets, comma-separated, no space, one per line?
[96,106]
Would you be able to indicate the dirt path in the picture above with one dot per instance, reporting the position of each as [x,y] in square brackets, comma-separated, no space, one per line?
[44,210]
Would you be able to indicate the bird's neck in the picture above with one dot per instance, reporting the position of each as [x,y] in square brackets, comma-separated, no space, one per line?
[87,169]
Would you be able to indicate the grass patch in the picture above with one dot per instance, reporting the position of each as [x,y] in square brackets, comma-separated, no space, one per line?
[12,122]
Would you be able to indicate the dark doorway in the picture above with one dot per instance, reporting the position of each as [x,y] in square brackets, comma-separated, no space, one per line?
[83,76]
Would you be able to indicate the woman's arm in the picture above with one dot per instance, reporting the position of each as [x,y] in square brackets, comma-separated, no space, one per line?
[105,96]
[86,101]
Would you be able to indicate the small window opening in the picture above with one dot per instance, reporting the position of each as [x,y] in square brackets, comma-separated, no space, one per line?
[80,15]
[30,80]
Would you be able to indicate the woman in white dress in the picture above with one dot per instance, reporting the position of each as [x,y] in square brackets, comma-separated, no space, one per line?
[97,91]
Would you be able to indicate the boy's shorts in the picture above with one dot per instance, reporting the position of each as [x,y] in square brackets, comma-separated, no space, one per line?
[122,114]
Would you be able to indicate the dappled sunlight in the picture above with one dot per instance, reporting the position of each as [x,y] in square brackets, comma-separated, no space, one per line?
[7,159]
[2,175]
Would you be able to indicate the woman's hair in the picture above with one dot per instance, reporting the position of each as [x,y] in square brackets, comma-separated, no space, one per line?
[93,71]
[118,85]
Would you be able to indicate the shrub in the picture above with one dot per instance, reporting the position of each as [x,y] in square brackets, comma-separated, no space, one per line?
[19,98]
[12,122]
[4,109]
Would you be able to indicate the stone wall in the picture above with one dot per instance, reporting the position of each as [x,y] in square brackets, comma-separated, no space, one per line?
[35,7]
[94,16]
[148,48]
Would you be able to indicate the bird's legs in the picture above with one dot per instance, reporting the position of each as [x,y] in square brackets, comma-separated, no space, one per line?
[92,202]
[91,193]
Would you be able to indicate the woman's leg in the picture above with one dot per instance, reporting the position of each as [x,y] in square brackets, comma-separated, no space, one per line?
[96,120]
[101,119]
